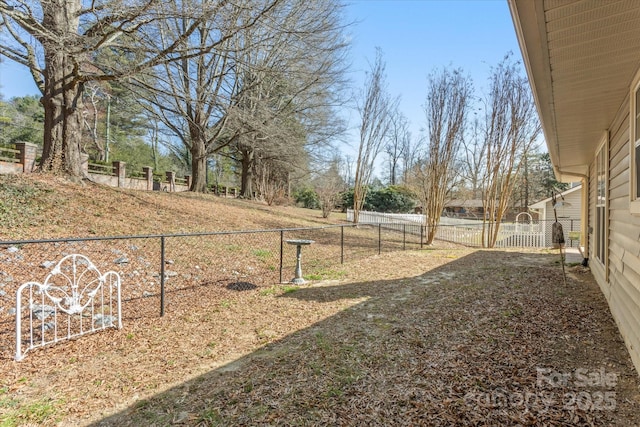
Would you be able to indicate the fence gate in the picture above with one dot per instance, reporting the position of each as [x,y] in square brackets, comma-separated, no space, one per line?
[74,300]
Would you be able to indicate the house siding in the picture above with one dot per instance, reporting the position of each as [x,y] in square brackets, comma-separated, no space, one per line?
[622,286]
[577,104]
[569,216]
[570,212]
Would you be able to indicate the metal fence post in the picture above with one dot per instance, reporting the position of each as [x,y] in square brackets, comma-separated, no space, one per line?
[342,245]
[379,238]
[421,236]
[161,276]
[281,252]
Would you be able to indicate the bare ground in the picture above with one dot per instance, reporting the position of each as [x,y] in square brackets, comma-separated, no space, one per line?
[449,336]
[444,336]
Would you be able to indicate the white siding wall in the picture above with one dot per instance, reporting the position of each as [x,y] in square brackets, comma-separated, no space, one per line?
[569,212]
[622,289]
[565,215]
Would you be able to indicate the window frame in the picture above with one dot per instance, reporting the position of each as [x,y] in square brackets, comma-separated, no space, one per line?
[634,146]
[601,204]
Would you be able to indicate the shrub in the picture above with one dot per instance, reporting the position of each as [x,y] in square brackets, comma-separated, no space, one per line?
[307,198]
[391,199]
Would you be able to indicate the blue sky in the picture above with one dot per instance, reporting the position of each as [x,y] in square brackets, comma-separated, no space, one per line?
[415,37]
[420,35]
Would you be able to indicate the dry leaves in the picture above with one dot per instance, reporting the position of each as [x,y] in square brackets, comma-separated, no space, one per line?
[445,336]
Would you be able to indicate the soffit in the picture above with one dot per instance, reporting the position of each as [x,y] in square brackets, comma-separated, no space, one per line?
[581,56]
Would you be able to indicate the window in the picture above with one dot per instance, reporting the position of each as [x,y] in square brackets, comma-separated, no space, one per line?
[634,163]
[601,227]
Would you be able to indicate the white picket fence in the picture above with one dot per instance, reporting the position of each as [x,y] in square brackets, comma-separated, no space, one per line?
[385,218]
[533,234]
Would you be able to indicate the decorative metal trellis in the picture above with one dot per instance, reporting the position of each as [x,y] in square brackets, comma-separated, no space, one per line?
[75,299]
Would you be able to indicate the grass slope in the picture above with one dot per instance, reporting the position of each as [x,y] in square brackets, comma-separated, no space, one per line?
[43,206]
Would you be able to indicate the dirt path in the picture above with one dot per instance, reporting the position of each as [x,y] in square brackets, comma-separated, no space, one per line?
[448,336]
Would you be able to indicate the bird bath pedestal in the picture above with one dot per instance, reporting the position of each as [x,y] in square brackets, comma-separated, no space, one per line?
[298,280]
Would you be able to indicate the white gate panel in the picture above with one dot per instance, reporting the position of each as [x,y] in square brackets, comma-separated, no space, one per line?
[74,300]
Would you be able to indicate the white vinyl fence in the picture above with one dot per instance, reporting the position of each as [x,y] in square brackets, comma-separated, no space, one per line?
[530,234]
[385,218]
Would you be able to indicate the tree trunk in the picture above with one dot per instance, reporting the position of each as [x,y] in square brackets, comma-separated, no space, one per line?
[246,179]
[432,228]
[62,91]
[357,203]
[198,165]
[392,173]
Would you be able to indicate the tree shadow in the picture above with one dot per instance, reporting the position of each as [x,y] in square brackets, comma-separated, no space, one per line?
[461,344]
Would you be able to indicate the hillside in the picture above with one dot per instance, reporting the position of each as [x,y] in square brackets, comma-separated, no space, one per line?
[44,206]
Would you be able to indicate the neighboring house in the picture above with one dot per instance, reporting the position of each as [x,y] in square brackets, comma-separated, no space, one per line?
[474,209]
[464,208]
[568,214]
[570,208]
[583,62]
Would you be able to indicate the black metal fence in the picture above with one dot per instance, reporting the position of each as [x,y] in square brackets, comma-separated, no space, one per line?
[155,267]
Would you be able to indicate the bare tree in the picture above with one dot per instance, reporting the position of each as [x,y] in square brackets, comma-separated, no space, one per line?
[410,147]
[290,87]
[472,160]
[511,128]
[59,41]
[272,181]
[329,186]
[375,107]
[259,91]
[399,141]
[346,171]
[448,96]
[191,97]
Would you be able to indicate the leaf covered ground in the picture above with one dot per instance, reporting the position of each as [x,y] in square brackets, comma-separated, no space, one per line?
[443,336]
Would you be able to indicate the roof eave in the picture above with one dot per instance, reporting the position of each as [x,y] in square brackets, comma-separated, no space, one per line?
[530,25]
